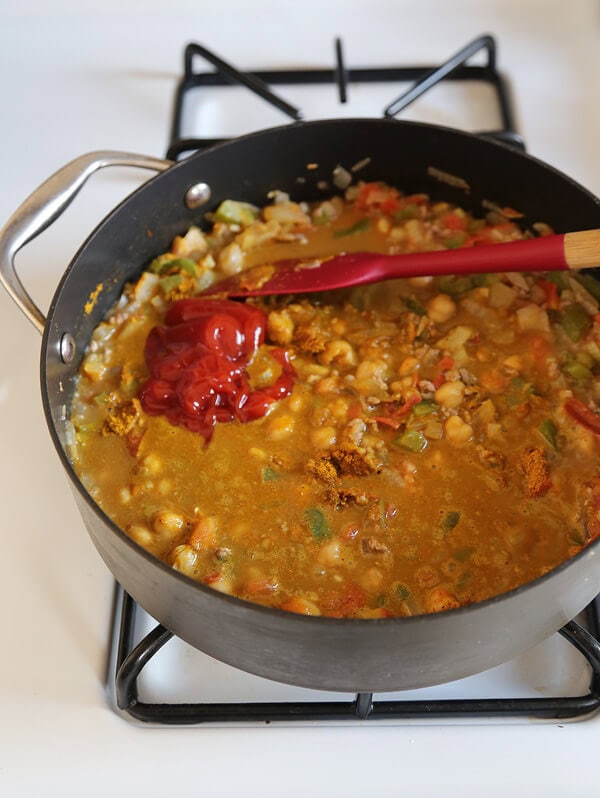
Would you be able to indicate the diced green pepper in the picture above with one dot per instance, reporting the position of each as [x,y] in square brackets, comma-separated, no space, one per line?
[578,371]
[480,280]
[449,284]
[322,218]
[170,282]
[456,240]
[268,474]
[402,592]
[586,359]
[233,212]
[462,555]
[518,391]
[591,285]
[410,211]
[412,439]
[425,408]
[358,227]
[475,225]
[414,306]
[576,538]
[317,523]
[166,264]
[549,432]
[575,321]
[450,520]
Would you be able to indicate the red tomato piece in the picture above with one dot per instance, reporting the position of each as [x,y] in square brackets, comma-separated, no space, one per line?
[583,415]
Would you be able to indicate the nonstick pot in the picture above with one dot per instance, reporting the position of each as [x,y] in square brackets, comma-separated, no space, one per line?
[303,159]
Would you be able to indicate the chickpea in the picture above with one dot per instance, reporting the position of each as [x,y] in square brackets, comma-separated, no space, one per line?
[327,385]
[457,430]
[280,326]
[354,432]
[441,308]
[339,352]
[441,599]
[383,225]
[339,410]
[231,259]
[168,523]
[152,464]
[141,534]
[296,402]
[419,282]
[371,376]
[338,326]
[165,487]
[408,366]
[258,454]
[183,558]
[371,579]
[514,363]
[323,437]
[222,584]
[281,428]
[450,394]
[301,606]
[330,553]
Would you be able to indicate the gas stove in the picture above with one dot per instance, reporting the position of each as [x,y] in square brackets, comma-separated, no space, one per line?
[157,679]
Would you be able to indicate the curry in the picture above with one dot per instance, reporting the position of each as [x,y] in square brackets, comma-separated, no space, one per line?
[403,448]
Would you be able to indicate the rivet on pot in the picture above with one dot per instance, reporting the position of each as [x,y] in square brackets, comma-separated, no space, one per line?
[67,348]
[197,196]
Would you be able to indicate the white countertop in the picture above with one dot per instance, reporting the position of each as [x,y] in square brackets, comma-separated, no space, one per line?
[79,76]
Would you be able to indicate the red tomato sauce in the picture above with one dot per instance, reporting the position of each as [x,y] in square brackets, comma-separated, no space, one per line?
[197,362]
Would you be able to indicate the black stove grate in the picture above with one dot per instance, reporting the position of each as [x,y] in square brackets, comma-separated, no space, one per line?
[263,84]
[130,660]
[128,657]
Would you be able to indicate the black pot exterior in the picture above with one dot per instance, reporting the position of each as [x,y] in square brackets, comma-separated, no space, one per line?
[322,653]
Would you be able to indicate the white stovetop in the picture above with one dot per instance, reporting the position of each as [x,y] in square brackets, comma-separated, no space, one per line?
[77,76]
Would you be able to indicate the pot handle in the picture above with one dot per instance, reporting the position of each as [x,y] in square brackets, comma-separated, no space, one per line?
[45,205]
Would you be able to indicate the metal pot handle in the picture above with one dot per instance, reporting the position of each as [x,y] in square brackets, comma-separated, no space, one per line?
[45,205]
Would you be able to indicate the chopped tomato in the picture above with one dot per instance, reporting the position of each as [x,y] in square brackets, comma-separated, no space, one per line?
[355,410]
[538,346]
[398,414]
[444,364]
[583,415]
[552,300]
[133,441]
[490,234]
[346,603]
[373,196]
[453,221]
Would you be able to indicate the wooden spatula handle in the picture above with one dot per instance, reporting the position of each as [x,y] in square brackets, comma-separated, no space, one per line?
[582,250]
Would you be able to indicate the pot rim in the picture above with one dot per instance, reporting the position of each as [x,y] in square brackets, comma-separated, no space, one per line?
[588,551]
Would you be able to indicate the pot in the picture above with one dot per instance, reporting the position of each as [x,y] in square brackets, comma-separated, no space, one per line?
[324,653]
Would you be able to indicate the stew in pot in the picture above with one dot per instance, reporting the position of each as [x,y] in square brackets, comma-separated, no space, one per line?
[402,448]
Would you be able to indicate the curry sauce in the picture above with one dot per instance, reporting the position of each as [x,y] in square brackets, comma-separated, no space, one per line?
[438,443]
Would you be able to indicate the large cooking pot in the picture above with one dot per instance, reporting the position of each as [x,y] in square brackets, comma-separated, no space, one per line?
[328,653]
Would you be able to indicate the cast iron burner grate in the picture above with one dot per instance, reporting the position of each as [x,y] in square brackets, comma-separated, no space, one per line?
[262,84]
[129,661]
[128,658]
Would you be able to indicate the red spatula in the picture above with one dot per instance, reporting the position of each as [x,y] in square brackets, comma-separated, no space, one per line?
[551,253]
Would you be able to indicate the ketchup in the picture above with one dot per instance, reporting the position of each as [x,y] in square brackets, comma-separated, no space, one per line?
[197,363]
